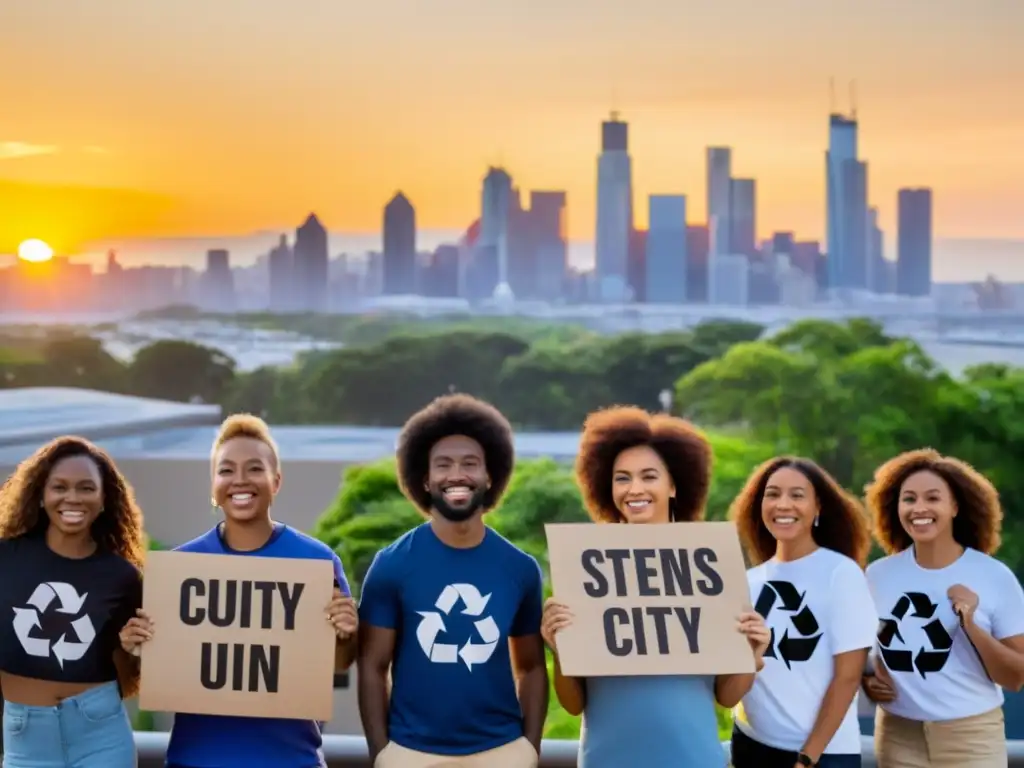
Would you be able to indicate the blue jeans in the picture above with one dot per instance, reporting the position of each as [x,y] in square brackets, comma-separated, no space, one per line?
[90,730]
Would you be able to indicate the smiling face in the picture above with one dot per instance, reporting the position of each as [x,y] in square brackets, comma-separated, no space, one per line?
[642,486]
[926,507]
[789,505]
[457,477]
[245,479]
[73,495]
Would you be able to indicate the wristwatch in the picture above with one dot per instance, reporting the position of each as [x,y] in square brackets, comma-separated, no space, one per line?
[803,759]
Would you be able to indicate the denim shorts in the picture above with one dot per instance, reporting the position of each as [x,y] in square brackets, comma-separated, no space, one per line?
[90,730]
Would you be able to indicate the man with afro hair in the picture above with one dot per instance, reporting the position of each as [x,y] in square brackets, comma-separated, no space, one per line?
[452,608]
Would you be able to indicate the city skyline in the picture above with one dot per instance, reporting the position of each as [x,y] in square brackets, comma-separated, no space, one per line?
[222,138]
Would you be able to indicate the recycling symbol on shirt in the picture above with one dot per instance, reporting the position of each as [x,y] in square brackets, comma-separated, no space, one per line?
[800,645]
[64,599]
[927,659]
[432,624]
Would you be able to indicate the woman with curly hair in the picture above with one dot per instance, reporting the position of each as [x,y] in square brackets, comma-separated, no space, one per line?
[71,549]
[637,469]
[453,702]
[245,471]
[951,634]
[807,540]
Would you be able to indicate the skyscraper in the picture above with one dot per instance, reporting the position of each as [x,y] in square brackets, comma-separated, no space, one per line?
[310,266]
[719,197]
[399,267]
[614,211]
[666,262]
[743,217]
[878,272]
[846,182]
[281,277]
[495,225]
[914,242]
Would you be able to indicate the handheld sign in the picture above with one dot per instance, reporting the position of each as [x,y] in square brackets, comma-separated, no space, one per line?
[650,599]
[239,636]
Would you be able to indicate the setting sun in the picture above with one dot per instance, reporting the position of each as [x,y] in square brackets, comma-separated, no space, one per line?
[35,251]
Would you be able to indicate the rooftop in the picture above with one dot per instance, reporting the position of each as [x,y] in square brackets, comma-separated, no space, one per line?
[140,428]
[38,414]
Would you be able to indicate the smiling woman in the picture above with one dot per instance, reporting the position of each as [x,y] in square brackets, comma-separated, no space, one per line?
[35,251]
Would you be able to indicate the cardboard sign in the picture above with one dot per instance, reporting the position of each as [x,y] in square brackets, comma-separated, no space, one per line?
[238,636]
[650,599]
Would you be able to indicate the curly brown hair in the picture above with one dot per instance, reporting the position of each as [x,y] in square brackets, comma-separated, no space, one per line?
[683,448]
[979,521]
[447,416]
[842,523]
[117,530]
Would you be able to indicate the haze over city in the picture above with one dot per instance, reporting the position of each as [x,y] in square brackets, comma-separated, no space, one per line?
[202,120]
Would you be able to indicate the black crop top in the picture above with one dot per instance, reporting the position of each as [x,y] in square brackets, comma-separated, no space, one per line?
[60,617]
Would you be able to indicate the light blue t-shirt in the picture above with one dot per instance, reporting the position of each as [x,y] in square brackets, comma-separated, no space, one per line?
[650,721]
[453,691]
[215,741]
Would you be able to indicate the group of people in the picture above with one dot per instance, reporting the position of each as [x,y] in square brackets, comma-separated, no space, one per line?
[932,632]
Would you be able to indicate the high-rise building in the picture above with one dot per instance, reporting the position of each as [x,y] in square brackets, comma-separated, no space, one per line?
[218,281]
[551,257]
[914,242]
[846,182]
[666,263]
[496,212]
[614,211]
[399,247]
[698,243]
[743,217]
[878,272]
[719,197]
[310,259]
[281,268]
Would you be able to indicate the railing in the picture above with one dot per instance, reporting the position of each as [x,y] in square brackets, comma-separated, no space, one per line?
[350,752]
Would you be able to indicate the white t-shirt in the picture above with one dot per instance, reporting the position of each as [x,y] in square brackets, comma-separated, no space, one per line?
[935,669]
[817,608]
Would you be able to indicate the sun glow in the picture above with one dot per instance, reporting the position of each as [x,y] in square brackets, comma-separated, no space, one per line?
[35,251]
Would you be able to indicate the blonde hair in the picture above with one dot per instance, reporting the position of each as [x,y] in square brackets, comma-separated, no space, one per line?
[244,425]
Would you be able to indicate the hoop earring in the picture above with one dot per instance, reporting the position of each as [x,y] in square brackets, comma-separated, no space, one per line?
[816,518]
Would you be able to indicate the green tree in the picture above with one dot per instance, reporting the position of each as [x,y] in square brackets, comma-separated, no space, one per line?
[182,371]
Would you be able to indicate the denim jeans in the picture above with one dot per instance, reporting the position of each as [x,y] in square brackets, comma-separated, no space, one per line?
[90,730]
[747,753]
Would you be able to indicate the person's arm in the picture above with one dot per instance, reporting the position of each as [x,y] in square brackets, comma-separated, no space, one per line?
[852,623]
[128,666]
[1002,649]
[571,692]
[526,648]
[730,689]
[379,616]
[344,650]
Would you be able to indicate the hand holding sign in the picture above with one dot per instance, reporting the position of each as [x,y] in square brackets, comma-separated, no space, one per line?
[556,617]
[137,631]
[751,624]
[342,614]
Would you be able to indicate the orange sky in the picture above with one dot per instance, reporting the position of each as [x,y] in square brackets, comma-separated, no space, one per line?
[129,118]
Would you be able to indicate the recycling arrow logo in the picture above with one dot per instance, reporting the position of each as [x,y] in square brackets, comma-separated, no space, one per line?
[928,659]
[68,602]
[432,624]
[800,645]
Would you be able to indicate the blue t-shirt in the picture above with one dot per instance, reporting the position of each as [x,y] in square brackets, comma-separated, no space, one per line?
[215,741]
[674,713]
[453,691]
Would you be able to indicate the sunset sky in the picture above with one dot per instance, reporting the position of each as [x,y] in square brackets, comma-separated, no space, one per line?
[123,118]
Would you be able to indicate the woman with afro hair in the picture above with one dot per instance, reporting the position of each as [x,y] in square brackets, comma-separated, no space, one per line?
[71,550]
[637,469]
[807,540]
[452,608]
[951,634]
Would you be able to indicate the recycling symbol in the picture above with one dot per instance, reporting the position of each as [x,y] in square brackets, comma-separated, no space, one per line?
[68,602]
[927,659]
[799,646]
[432,624]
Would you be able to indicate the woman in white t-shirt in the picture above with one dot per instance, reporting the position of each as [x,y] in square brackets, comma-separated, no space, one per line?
[951,633]
[807,540]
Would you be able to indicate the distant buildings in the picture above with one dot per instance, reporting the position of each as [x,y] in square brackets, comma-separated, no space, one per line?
[399,267]
[914,242]
[846,215]
[310,280]
[666,263]
[614,212]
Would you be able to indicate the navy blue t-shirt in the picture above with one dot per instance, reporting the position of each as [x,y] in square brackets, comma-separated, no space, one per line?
[453,691]
[216,741]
